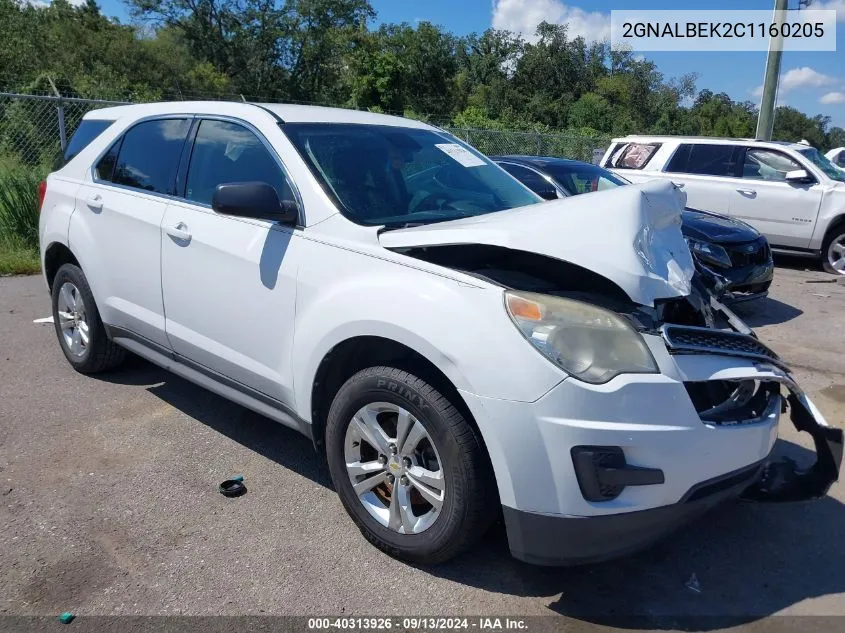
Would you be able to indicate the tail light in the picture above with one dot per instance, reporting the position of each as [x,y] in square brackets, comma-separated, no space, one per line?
[42,191]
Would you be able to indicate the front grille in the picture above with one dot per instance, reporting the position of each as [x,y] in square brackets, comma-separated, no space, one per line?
[696,340]
[749,254]
[732,403]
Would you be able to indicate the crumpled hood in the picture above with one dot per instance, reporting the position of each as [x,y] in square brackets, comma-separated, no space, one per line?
[709,227]
[630,235]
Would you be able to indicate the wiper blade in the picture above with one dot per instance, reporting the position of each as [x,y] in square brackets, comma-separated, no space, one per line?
[403,225]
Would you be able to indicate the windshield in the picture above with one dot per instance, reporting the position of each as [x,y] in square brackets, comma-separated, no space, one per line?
[395,176]
[823,163]
[579,178]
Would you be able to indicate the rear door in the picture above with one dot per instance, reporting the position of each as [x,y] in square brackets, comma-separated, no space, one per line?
[706,172]
[117,224]
[229,283]
[782,211]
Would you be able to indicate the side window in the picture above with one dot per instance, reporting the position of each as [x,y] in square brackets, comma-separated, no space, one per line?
[765,164]
[226,152]
[840,159]
[679,161]
[634,155]
[104,170]
[149,155]
[88,130]
[705,159]
[528,177]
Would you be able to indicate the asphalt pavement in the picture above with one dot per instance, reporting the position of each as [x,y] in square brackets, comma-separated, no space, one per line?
[109,506]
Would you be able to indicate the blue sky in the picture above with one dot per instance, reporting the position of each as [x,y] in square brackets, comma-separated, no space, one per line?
[814,82]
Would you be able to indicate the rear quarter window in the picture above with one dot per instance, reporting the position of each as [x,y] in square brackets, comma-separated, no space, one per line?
[88,130]
[633,155]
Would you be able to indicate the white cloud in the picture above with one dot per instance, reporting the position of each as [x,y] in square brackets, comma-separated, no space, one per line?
[833,5]
[804,77]
[832,98]
[523,16]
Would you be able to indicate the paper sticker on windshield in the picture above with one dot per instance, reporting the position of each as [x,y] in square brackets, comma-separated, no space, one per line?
[461,154]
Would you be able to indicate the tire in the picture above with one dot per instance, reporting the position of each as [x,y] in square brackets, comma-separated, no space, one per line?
[835,236]
[71,295]
[469,494]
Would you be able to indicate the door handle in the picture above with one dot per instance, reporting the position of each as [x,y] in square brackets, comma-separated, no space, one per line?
[680,185]
[748,192]
[179,232]
[95,202]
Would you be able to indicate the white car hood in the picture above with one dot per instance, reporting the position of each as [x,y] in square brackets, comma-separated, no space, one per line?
[630,235]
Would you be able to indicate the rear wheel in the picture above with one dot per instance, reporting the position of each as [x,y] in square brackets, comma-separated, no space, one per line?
[408,467]
[80,331]
[833,251]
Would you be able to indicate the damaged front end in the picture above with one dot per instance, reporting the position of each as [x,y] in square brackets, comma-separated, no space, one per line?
[743,400]
[623,250]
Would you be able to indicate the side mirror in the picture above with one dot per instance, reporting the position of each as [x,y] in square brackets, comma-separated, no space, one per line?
[547,194]
[253,200]
[799,177]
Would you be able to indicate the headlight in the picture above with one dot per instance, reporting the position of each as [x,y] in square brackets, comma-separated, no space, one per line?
[710,253]
[591,343]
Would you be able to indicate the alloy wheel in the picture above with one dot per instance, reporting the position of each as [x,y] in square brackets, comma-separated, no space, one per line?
[73,319]
[394,468]
[836,254]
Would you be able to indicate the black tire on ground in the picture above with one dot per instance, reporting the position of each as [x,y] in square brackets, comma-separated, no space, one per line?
[100,354]
[835,234]
[470,501]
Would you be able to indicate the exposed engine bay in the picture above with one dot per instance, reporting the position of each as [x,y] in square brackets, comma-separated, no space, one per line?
[521,270]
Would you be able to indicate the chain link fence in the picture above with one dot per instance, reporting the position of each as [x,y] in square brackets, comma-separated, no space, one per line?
[34,129]
[508,142]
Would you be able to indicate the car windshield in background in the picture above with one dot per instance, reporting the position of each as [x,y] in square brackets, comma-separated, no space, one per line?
[823,162]
[395,176]
[584,178]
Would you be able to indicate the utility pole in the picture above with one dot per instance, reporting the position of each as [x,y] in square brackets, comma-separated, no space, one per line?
[766,119]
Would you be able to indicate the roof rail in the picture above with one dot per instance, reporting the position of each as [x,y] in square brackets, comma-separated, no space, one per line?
[279,119]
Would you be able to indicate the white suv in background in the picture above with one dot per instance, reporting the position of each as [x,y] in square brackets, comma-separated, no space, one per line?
[457,348]
[789,192]
[837,157]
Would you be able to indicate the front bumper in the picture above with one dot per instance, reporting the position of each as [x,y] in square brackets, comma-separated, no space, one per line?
[543,539]
[750,275]
[748,282]
[654,422]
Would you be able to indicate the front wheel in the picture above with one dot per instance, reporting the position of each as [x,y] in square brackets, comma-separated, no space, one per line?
[833,251]
[410,470]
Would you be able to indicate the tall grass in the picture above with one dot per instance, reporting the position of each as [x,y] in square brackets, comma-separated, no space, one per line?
[19,218]
[19,205]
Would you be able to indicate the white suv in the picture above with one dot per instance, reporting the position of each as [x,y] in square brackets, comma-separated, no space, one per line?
[454,347]
[789,192]
[837,157]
